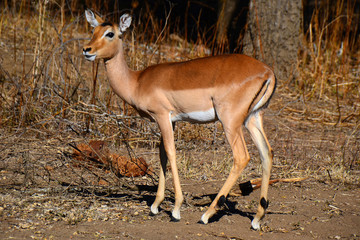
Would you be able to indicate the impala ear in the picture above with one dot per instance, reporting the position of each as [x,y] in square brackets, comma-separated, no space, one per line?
[125,21]
[94,19]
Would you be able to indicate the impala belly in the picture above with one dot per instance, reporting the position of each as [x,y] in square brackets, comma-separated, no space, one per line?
[196,116]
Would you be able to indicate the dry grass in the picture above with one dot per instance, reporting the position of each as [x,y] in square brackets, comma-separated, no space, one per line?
[51,97]
[329,62]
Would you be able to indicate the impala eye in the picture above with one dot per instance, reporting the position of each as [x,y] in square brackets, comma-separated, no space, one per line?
[110,35]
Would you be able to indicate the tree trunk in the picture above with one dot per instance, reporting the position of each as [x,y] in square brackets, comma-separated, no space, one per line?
[226,12]
[274,33]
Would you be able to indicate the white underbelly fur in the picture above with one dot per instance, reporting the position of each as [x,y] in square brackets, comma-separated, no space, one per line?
[197,116]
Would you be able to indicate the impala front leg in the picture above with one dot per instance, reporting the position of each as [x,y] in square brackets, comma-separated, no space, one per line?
[160,195]
[167,134]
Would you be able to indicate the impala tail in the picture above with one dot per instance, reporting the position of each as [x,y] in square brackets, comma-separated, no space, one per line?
[264,95]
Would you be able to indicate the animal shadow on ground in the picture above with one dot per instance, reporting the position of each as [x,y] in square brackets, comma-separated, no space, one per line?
[141,193]
[228,208]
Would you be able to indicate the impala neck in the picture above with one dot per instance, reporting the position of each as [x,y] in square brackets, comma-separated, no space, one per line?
[122,79]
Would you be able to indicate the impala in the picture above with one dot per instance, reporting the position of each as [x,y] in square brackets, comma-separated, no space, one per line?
[233,89]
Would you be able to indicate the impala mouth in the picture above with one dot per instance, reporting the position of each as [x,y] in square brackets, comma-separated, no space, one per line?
[89,57]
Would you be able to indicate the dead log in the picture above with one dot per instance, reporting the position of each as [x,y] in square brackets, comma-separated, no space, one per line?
[97,154]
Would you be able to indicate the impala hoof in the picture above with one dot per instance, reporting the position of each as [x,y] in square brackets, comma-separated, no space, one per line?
[255,225]
[204,219]
[154,211]
[201,222]
[174,219]
[207,215]
[175,216]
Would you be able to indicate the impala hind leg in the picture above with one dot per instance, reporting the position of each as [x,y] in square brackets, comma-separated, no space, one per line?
[255,126]
[160,194]
[241,159]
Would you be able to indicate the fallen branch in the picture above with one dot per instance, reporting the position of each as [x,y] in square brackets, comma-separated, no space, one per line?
[248,187]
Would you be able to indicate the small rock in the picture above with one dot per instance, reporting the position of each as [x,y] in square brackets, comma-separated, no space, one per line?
[25,225]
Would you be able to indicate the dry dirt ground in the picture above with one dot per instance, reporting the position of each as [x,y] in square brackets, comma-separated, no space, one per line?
[304,210]
[325,206]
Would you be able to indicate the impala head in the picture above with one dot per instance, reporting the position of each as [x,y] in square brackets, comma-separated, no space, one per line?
[106,38]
